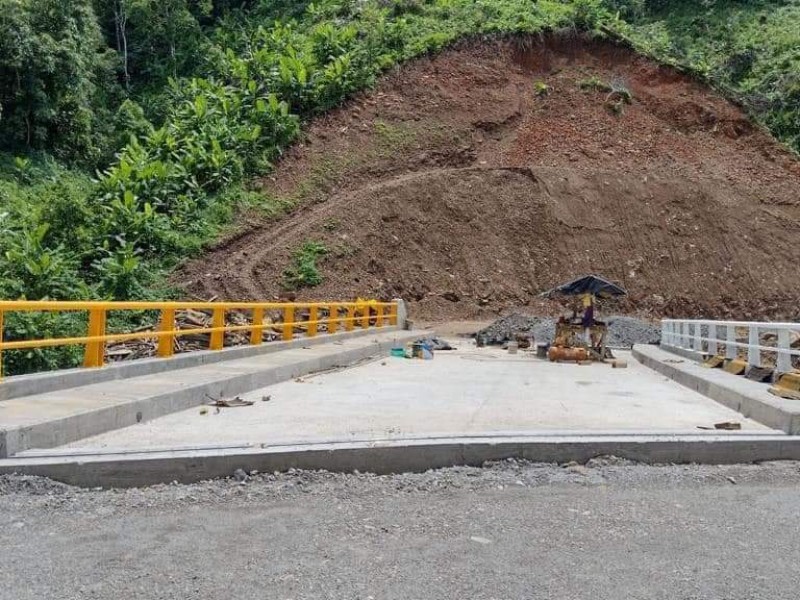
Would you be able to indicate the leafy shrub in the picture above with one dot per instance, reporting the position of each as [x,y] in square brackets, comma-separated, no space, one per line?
[540,88]
[304,272]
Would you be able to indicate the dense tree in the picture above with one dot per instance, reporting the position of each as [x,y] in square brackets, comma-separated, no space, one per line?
[54,73]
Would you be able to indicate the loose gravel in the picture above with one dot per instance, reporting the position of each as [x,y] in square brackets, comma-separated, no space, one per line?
[605,530]
[623,332]
[43,493]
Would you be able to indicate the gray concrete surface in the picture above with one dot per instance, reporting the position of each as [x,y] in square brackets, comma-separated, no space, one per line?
[747,397]
[604,531]
[470,390]
[59,417]
[39,383]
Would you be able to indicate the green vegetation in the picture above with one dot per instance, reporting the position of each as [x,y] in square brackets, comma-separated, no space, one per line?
[747,48]
[594,83]
[617,93]
[130,128]
[540,88]
[304,272]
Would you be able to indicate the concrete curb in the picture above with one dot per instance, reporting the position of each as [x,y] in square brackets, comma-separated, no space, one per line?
[64,430]
[395,456]
[40,383]
[747,397]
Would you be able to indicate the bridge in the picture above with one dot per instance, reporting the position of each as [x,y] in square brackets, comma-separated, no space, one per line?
[320,386]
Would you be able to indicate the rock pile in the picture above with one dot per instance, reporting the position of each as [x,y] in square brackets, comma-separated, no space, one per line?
[622,331]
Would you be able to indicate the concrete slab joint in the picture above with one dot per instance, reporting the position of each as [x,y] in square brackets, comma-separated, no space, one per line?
[396,456]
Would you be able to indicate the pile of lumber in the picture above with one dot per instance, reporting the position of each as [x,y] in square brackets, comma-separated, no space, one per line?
[187,320]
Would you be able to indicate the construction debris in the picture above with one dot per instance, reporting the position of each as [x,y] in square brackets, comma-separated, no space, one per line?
[760,374]
[713,362]
[190,319]
[787,386]
[735,366]
[229,402]
[434,343]
[622,331]
[725,426]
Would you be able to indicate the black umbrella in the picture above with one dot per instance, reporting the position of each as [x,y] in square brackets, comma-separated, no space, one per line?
[588,284]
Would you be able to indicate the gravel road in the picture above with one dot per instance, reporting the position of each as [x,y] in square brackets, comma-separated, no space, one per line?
[609,529]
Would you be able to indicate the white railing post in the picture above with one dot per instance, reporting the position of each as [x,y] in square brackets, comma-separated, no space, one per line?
[730,338]
[707,337]
[784,360]
[712,339]
[753,353]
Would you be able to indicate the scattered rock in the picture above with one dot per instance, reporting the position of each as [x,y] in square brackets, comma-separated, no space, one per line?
[480,540]
[580,469]
[240,476]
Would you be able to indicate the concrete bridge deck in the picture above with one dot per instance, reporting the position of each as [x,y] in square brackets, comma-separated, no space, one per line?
[343,403]
[467,391]
[61,416]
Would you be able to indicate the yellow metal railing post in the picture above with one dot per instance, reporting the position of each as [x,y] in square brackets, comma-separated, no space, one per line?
[353,315]
[217,337]
[94,354]
[313,314]
[288,323]
[379,319]
[1,341]
[365,316]
[257,333]
[333,316]
[166,343]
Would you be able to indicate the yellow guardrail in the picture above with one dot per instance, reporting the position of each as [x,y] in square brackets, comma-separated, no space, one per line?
[362,313]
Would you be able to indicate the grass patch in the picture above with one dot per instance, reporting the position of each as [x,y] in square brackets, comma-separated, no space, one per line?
[393,137]
[304,272]
[595,84]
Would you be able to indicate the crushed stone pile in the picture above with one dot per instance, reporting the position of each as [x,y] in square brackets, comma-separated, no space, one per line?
[506,329]
[627,331]
[622,331]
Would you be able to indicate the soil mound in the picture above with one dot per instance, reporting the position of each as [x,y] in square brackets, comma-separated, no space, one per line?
[469,182]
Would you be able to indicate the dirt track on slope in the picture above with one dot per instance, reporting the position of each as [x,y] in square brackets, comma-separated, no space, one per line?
[466,187]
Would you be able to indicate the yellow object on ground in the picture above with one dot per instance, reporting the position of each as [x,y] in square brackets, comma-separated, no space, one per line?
[736,366]
[787,386]
[714,362]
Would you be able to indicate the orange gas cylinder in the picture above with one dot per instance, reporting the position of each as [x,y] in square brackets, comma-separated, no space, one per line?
[558,353]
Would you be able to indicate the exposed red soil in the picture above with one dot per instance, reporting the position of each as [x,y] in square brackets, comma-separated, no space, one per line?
[460,184]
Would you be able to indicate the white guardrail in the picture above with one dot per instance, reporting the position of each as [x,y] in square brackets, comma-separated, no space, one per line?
[775,340]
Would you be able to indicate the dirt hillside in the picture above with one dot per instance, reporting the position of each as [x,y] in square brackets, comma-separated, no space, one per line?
[470,182]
